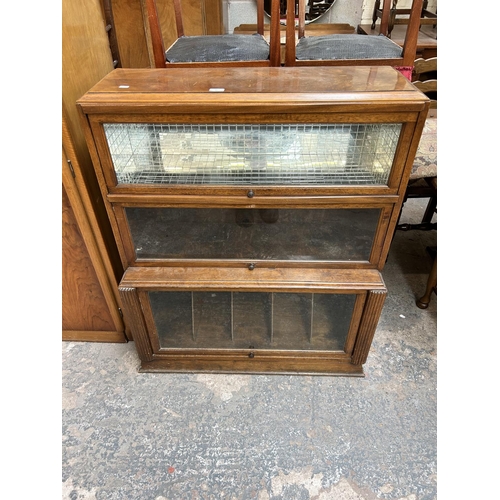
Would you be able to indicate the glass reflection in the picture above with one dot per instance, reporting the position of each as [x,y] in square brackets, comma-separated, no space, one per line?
[240,320]
[261,234]
[288,155]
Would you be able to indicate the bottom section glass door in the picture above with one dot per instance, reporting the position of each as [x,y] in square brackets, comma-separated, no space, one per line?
[242,320]
[265,320]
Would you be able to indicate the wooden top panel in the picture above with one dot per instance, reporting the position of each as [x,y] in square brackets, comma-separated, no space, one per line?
[226,86]
[259,279]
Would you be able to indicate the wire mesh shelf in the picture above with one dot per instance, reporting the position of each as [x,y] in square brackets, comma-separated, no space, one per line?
[283,154]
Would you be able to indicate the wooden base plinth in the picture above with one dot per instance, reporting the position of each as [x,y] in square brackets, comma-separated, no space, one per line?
[255,366]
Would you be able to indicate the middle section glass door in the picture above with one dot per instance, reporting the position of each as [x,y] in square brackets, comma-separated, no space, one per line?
[339,234]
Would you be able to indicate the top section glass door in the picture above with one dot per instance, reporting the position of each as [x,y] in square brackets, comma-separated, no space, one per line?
[350,154]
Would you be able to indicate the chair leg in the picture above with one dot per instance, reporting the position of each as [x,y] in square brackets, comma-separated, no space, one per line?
[430,210]
[375,13]
[423,302]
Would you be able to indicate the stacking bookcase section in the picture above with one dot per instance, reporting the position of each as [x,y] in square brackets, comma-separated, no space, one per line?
[253,209]
[262,236]
[265,320]
[274,166]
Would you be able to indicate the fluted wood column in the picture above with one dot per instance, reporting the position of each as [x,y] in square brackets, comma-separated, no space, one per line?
[132,311]
[369,321]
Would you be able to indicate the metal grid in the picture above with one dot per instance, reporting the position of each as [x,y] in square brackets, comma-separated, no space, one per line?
[284,154]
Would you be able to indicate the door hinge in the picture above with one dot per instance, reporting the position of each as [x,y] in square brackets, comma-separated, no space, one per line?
[70,165]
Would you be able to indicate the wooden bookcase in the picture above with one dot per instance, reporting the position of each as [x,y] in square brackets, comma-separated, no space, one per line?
[253,209]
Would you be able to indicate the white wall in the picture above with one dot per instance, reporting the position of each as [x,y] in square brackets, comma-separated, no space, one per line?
[354,12]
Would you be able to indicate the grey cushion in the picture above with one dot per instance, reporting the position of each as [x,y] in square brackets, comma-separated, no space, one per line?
[215,48]
[331,47]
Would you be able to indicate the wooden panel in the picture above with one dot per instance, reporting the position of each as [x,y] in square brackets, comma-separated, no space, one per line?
[86,57]
[131,33]
[84,306]
[131,303]
[86,60]
[284,366]
[258,279]
[91,264]
[371,316]
[158,87]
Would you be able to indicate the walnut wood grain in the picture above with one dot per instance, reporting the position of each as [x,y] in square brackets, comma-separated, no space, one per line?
[84,306]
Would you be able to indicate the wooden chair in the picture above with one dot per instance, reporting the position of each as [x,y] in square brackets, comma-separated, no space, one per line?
[111,31]
[216,50]
[425,78]
[349,50]
[424,301]
[423,184]
[389,16]
[423,177]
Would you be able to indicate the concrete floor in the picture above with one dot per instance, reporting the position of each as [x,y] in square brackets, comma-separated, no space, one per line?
[198,436]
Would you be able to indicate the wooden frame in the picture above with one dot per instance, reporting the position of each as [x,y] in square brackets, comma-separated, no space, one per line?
[91,309]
